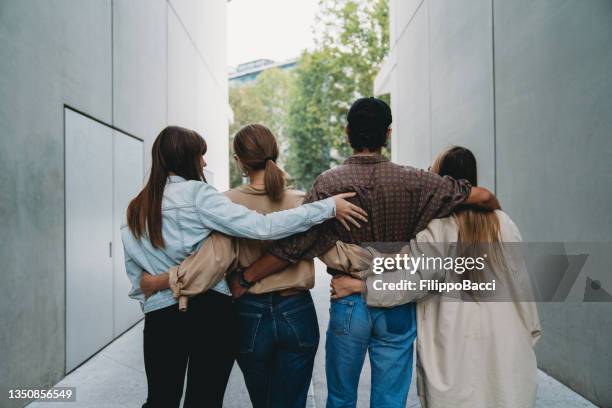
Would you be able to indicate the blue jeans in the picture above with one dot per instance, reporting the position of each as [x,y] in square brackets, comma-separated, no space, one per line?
[279,336]
[388,336]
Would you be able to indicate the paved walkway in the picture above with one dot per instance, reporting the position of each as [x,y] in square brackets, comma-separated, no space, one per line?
[115,376]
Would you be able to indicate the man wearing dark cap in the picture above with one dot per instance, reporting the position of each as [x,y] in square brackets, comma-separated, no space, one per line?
[400,202]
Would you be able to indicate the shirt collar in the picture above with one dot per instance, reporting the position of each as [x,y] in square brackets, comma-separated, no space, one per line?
[248,189]
[366,159]
[175,179]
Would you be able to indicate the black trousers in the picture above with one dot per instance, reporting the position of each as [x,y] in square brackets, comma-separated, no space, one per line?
[203,341]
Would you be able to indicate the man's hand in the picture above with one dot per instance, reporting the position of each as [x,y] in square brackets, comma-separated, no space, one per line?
[234,285]
[149,284]
[483,198]
[344,285]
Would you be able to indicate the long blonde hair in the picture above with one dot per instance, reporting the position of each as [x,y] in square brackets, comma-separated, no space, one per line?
[479,230]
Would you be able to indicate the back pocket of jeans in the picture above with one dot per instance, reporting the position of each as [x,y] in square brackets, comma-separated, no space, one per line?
[304,325]
[401,319]
[340,313]
[249,324]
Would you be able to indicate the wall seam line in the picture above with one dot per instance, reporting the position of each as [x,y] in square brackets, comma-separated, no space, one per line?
[401,34]
[112,60]
[111,249]
[65,344]
[167,65]
[429,82]
[494,96]
[197,49]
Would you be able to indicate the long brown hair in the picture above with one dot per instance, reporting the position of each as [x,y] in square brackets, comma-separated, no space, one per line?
[257,149]
[175,150]
[479,230]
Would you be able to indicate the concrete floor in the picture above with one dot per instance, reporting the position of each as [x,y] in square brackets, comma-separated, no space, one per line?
[115,376]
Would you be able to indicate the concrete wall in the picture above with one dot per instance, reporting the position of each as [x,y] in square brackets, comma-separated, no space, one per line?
[136,65]
[526,85]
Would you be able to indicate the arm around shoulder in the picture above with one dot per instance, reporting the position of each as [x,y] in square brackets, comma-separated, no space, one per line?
[218,213]
[482,198]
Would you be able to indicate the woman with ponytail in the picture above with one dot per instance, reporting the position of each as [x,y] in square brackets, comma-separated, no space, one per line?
[278,329]
[168,220]
[279,332]
[256,153]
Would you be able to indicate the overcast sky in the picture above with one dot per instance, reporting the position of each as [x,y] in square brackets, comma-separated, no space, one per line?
[273,29]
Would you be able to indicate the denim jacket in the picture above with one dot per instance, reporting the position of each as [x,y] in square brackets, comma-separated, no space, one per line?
[191,210]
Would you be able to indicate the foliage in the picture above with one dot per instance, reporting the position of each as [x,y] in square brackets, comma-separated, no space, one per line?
[352,40]
[308,126]
[265,101]
[274,87]
[306,108]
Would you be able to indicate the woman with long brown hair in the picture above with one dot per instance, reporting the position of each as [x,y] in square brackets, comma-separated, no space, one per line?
[474,348]
[168,220]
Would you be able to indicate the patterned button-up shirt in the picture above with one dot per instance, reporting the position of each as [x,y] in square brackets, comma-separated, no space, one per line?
[400,201]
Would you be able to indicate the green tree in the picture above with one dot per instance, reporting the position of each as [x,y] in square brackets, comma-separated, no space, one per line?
[308,121]
[264,101]
[274,89]
[247,108]
[352,41]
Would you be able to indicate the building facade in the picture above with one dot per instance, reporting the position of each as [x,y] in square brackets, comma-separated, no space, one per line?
[526,85]
[86,87]
[249,71]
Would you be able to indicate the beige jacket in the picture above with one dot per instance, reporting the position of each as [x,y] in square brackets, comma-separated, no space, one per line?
[202,270]
[297,276]
[469,354]
[205,268]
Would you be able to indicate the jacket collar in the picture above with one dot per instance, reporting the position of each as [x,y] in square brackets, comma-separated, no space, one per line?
[366,159]
[247,189]
[175,179]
